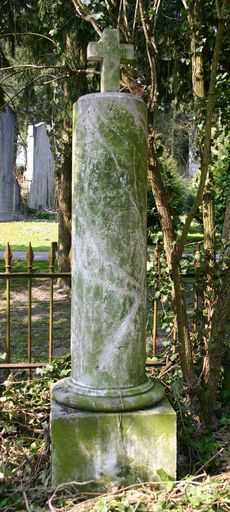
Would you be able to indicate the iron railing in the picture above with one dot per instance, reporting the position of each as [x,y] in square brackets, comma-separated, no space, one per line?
[30,275]
[8,275]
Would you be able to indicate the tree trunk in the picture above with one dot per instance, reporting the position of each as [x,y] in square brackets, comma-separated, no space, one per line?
[226,227]
[65,182]
[211,374]
[210,258]
[64,227]
[162,205]
[73,88]
[216,315]
[195,22]
[178,299]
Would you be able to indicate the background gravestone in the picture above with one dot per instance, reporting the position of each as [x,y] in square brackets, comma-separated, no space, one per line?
[10,201]
[39,175]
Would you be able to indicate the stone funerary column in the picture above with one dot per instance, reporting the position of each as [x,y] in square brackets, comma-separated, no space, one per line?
[109,246]
[105,425]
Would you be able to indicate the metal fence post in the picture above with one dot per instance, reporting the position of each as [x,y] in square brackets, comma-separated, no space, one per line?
[29,259]
[8,258]
[51,259]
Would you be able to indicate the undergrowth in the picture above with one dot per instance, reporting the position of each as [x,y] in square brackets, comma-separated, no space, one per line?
[25,453]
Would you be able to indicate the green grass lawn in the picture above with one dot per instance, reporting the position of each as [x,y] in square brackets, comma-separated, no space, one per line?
[40,233]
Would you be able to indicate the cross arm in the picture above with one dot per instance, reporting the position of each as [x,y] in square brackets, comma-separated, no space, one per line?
[127,53]
[95,51]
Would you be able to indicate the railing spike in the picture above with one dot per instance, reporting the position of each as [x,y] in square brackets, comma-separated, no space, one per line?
[8,257]
[52,256]
[70,256]
[29,257]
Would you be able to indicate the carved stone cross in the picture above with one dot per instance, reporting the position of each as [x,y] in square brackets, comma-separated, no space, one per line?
[111,53]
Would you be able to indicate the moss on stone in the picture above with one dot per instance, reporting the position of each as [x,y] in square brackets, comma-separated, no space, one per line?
[110,447]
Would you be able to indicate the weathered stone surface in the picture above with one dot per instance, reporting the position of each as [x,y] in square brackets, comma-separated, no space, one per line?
[109,257]
[10,202]
[39,175]
[111,54]
[108,444]
[108,447]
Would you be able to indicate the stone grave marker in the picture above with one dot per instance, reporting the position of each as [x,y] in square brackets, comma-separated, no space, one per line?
[39,176]
[10,200]
[109,422]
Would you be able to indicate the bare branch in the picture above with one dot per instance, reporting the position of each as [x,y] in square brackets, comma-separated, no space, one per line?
[10,75]
[11,98]
[87,71]
[125,15]
[189,14]
[56,79]
[185,5]
[23,67]
[10,101]
[151,52]
[122,22]
[119,13]
[157,7]
[29,34]
[110,4]
[87,17]
[218,6]
[135,18]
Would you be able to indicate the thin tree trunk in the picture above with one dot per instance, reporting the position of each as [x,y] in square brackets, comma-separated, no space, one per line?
[162,205]
[212,363]
[210,257]
[195,21]
[178,299]
[184,341]
[205,152]
[72,90]
[64,226]
[226,227]
[217,309]
[208,381]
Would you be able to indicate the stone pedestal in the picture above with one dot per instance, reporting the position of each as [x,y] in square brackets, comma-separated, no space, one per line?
[113,448]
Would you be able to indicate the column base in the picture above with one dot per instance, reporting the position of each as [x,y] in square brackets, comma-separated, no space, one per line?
[71,394]
[111,448]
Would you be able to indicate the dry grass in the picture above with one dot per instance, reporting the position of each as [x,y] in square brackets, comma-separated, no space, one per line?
[26,484]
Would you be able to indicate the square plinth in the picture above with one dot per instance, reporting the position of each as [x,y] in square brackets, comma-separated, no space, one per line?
[112,448]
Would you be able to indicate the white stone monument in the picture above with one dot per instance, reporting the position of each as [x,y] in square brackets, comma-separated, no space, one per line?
[39,176]
[109,422]
[10,201]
